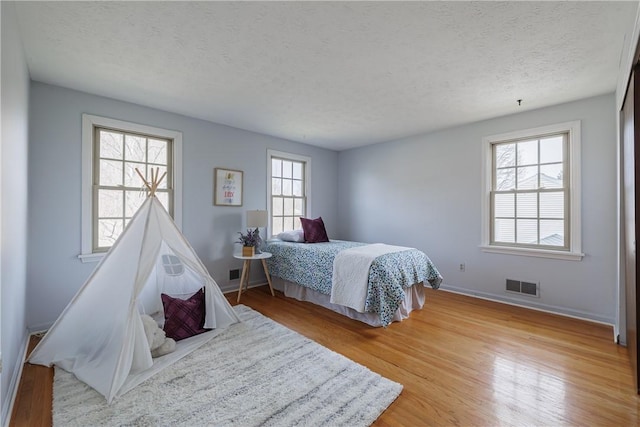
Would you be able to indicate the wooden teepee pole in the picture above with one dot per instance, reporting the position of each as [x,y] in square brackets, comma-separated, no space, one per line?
[155,181]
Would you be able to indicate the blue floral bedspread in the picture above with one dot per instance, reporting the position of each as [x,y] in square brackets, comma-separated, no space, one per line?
[311,265]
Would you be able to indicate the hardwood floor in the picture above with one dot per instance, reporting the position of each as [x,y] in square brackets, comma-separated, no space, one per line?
[462,361]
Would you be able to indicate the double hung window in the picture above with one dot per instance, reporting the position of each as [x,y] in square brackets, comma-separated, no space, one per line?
[533,192]
[288,177]
[112,189]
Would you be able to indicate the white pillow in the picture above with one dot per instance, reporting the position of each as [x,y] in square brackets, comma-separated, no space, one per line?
[296,236]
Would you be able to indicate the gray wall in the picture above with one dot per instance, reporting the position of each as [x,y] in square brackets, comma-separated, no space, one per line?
[13,203]
[425,192]
[55,272]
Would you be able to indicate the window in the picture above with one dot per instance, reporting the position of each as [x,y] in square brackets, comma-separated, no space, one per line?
[532,192]
[112,189]
[288,180]
[172,265]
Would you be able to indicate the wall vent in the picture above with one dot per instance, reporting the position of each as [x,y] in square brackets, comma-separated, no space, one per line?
[522,287]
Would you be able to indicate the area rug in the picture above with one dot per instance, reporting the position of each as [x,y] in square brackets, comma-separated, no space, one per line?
[257,372]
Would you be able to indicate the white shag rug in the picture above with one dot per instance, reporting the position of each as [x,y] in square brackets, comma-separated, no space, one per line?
[255,373]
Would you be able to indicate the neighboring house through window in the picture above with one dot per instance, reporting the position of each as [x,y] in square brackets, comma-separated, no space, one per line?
[112,189]
[288,190]
[531,201]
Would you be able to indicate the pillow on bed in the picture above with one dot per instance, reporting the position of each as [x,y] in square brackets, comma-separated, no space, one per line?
[184,318]
[296,236]
[314,231]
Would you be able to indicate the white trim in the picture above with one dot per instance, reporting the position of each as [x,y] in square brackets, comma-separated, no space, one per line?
[7,409]
[88,123]
[540,253]
[626,61]
[307,180]
[531,305]
[575,221]
[626,65]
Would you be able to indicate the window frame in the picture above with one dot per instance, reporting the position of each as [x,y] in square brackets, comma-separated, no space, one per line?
[89,125]
[307,182]
[572,203]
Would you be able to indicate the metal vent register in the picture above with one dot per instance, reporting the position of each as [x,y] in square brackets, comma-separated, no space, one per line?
[522,287]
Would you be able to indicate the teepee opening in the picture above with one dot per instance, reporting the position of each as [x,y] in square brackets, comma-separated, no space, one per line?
[99,337]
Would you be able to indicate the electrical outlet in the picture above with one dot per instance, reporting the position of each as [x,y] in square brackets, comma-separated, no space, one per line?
[462,266]
[234,274]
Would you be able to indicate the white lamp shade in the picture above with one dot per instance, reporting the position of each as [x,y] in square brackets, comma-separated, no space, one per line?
[256,219]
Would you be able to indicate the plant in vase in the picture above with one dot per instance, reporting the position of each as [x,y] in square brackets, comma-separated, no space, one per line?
[250,242]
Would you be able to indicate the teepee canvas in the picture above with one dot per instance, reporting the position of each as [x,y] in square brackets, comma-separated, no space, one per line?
[99,336]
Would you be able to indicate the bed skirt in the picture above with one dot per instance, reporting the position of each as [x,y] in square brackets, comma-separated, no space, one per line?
[414,300]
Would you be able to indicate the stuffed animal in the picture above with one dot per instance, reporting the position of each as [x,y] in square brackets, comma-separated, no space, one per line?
[159,344]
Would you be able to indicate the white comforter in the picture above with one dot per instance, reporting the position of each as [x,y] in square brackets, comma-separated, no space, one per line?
[351,273]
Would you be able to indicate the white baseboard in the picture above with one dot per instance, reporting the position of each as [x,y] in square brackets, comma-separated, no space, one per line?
[562,311]
[7,407]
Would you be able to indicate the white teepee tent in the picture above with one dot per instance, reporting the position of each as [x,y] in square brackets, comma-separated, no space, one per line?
[99,336]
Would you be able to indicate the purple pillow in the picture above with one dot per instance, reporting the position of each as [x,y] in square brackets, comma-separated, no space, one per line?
[184,318]
[314,231]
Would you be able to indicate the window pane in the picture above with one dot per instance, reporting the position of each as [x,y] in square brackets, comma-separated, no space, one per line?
[134,200]
[157,151]
[505,179]
[277,206]
[504,230]
[527,153]
[118,154]
[552,205]
[551,176]
[110,203]
[131,177]
[277,225]
[527,178]
[288,206]
[108,231]
[505,155]
[297,188]
[527,205]
[286,187]
[529,192]
[527,231]
[276,186]
[287,223]
[552,232]
[135,148]
[111,144]
[504,205]
[298,207]
[551,149]
[297,224]
[276,167]
[110,172]
[297,170]
[164,199]
[287,169]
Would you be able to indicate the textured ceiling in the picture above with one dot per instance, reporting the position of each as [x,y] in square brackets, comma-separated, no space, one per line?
[332,74]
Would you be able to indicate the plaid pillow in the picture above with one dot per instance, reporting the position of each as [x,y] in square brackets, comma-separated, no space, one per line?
[314,231]
[184,318]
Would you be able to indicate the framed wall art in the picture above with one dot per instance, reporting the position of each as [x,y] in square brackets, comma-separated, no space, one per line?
[227,187]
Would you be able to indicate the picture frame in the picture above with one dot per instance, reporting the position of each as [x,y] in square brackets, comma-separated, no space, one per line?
[227,187]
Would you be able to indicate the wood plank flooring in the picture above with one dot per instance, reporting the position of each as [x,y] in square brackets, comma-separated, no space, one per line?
[463,362]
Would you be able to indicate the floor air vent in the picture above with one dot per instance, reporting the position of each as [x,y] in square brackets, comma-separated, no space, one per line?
[522,287]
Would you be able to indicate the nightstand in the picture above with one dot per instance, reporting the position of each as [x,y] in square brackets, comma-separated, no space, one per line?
[246,269]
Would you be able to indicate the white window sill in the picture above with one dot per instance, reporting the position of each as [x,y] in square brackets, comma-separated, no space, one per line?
[540,253]
[85,258]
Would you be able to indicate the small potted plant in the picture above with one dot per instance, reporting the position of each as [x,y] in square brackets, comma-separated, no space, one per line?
[249,241]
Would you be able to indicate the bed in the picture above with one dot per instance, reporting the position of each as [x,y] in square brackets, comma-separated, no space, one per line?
[395,285]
